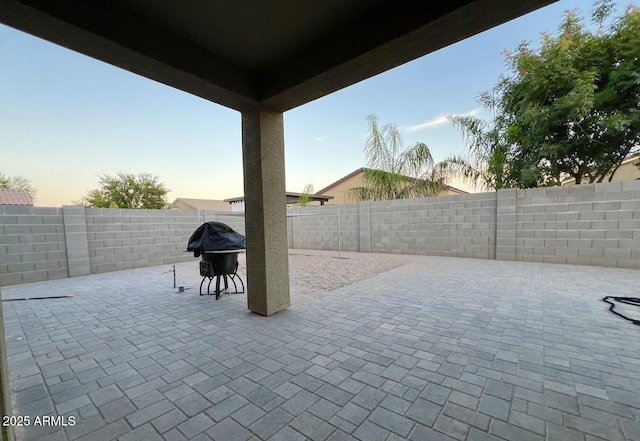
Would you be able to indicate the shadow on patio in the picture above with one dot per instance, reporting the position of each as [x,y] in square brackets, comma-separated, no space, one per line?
[434,349]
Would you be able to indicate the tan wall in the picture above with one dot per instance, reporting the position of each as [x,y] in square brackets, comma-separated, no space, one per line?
[206,205]
[182,206]
[450,192]
[339,191]
[628,171]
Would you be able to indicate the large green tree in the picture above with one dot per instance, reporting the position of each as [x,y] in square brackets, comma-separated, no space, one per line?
[568,108]
[127,190]
[18,183]
[396,172]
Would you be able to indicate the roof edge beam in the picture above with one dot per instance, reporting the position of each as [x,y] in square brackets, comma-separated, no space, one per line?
[379,42]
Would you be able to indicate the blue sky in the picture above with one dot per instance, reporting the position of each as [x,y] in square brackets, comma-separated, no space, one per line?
[66,119]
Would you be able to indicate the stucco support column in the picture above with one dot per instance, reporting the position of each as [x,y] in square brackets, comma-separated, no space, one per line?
[265,211]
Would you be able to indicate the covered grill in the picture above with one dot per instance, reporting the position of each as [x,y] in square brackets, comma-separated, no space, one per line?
[218,245]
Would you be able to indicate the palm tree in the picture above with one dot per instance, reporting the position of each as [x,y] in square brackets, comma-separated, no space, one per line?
[395,172]
[486,164]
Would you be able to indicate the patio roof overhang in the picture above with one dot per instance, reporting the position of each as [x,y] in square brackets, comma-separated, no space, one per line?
[261,58]
[278,53]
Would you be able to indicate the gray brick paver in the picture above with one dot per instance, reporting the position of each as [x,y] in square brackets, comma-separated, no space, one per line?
[228,429]
[371,432]
[168,420]
[369,398]
[117,409]
[391,421]
[339,435]
[108,432]
[556,432]
[343,425]
[150,412]
[219,394]
[334,394]
[192,404]
[324,409]
[312,427]
[560,401]
[353,413]
[144,388]
[423,433]
[262,396]
[105,395]
[464,400]
[451,427]
[527,422]
[288,434]
[478,435]
[498,389]
[511,432]
[494,407]
[609,430]
[424,412]
[533,355]
[307,382]
[277,401]
[248,414]
[436,393]
[271,423]
[142,433]
[300,402]
[467,416]
[85,426]
[287,390]
[395,404]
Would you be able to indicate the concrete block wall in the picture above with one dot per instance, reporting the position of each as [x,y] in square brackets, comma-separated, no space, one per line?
[462,226]
[235,222]
[317,228]
[593,224]
[597,224]
[364,227]
[38,243]
[123,239]
[32,244]
[76,240]
[506,217]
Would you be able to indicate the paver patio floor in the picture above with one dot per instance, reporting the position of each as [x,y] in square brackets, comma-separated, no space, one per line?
[436,349]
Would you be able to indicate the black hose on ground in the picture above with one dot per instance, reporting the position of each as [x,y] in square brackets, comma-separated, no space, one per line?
[635,301]
[38,298]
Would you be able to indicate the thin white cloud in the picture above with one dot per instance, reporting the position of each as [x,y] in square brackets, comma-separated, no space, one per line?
[438,121]
[318,139]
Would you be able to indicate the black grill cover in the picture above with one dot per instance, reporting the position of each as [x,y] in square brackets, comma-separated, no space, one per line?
[215,236]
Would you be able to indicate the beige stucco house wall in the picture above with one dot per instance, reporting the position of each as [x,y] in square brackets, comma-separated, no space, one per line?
[629,170]
[339,188]
[201,204]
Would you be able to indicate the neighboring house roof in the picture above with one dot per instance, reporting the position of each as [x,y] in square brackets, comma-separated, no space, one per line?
[455,189]
[292,197]
[364,169]
[344,178]
[200,204]
[15,197]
